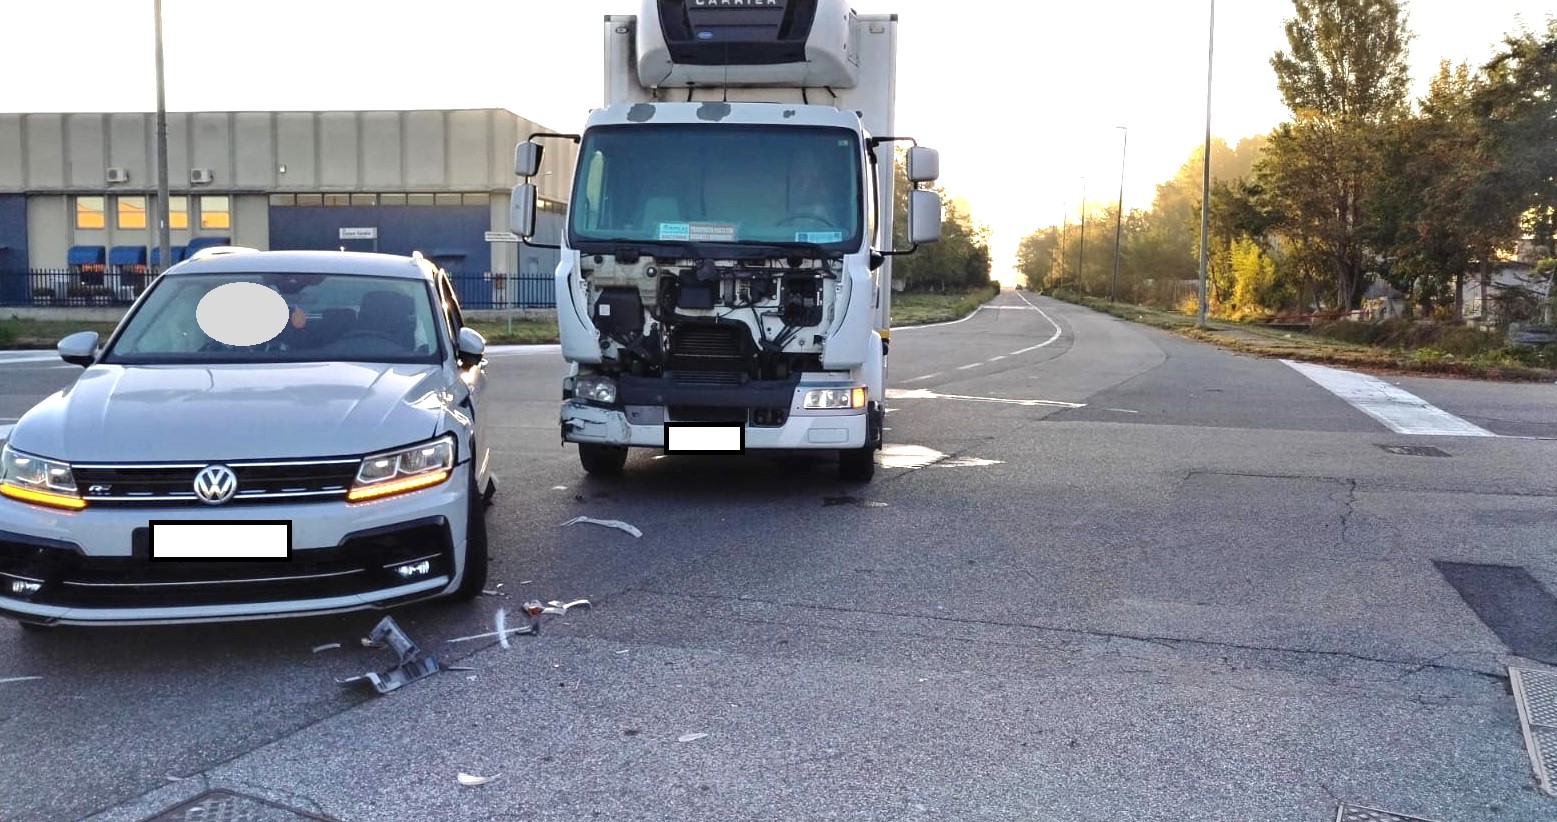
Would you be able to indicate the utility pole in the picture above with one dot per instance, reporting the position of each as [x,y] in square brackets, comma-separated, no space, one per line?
[1119,213]
[1081,254]
[1205,181]
[163,239]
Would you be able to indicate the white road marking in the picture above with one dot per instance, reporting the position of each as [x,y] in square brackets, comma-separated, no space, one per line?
[1398,409]
[7,357]
[969,365]
[927,394]
[996,359]
[1121,411]
[939,325]
[1051,339]
[925,377]
[524,350]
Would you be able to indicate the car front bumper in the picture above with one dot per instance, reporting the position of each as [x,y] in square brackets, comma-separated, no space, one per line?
[92,567]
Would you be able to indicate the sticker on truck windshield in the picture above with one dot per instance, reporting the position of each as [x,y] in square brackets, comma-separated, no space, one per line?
[698,232]
[819,236]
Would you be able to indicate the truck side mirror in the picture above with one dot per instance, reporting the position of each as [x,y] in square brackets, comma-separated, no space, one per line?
[924,216]
[527,159]
[521,210]
[924,164]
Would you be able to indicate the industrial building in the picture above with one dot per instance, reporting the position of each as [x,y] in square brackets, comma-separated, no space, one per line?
[78,211]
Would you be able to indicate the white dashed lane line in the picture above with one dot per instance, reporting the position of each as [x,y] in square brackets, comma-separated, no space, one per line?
[1398,409]
[925,377]
[969,365]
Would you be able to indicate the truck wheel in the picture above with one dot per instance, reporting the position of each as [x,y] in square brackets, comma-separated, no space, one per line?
[602,460]
[475,577]
[857,464]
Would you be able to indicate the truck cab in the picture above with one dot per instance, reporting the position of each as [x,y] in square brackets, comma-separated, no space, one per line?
[725,280]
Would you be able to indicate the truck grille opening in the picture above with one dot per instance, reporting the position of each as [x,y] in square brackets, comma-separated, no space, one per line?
[719,414]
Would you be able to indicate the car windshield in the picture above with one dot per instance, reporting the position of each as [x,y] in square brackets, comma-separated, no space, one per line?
[719,183]
[331,318]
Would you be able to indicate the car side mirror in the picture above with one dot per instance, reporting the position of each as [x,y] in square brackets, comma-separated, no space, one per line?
[79,348]
[471,347]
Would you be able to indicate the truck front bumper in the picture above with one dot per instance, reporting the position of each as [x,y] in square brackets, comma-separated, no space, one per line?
[835,430]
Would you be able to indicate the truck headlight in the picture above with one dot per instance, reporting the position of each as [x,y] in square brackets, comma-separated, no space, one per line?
[595,389]
[37,480]
[404,470]
[832,398]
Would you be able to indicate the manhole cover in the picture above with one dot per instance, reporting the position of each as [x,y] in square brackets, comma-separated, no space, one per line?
[1357,813]
[1535,695]
[225,806]
[1414,450]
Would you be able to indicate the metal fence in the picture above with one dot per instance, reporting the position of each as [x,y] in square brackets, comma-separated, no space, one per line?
[110,286]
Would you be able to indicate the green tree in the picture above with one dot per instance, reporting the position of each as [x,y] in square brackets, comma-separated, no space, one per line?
[1344,79]
[1036,256]
[961,259]
[1517,104]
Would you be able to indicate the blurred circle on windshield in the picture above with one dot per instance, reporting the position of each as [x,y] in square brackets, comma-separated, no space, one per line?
[242,314]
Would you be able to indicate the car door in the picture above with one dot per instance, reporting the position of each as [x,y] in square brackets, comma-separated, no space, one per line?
[473,378]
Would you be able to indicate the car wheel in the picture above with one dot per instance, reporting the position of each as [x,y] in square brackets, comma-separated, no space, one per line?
[602,460]
[475,577]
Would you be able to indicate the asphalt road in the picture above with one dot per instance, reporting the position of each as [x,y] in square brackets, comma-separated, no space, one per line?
[1105,573]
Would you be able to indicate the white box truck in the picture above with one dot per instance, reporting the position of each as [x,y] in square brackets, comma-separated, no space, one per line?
[725,280]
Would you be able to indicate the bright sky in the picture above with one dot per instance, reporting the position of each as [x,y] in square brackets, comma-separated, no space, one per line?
[1022,99]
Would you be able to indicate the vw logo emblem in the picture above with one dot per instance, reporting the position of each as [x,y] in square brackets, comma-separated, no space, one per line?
[215,484]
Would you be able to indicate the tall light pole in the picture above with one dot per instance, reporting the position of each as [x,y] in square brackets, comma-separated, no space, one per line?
[1205,180]
[164,241]
[1119,213]
[1081,254]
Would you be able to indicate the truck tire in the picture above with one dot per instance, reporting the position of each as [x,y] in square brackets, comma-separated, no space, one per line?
[857,464]
[602,460]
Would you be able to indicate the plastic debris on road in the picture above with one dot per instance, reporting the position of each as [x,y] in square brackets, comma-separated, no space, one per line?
[471,780]
[609,523]
[528,629]
[556,607]
[328,646]
[690,737]
[19,679]
[412,664]
[502,621]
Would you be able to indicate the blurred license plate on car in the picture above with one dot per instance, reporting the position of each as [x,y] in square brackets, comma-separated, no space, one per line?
[246,540]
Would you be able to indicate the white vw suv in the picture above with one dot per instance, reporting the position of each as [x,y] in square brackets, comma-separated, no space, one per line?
[338,464]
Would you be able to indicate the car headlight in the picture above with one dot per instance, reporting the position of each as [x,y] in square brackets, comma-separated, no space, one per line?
[595,389]
[37,480]
[404,470]
[823,398]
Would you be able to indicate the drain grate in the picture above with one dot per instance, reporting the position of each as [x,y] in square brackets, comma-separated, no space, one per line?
[226,806]
[1535,694]
[1357,813]
[1414,450]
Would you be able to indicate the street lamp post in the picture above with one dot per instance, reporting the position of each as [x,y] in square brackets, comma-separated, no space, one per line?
[1205,179]
[1119,212]
[163,240]
[1081,253]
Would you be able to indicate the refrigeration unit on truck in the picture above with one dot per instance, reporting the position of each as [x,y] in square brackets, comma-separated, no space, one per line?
[725,279]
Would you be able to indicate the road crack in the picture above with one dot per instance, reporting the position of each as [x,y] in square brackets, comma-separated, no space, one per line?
[1168,642]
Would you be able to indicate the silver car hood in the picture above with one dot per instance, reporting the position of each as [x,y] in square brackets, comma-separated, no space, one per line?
[165,413]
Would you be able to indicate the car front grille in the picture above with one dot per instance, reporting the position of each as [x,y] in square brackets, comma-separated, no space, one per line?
[364,562]
[258,482]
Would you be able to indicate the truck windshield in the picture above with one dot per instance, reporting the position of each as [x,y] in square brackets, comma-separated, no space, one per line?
[718,183]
